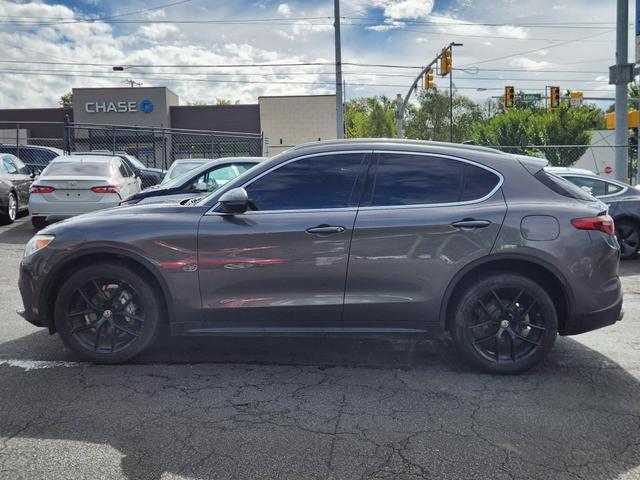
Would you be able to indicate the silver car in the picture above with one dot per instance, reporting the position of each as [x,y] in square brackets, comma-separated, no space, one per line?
[72,185]
[180,167]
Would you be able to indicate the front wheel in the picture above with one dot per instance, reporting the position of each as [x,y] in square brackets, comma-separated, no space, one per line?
[504,323]
[11,212]
[107,313]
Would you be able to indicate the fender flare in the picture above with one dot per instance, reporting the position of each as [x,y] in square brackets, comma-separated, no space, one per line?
[460,275]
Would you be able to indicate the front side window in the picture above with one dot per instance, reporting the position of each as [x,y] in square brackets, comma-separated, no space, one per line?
[9,165]
[403,179]
[22,168]
[320,182]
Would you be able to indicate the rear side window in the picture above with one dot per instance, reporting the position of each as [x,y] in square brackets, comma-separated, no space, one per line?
[422,180]
[97,169]
[562,187]
[321,182]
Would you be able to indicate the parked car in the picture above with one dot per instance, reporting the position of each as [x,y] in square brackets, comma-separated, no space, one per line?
[148,175]
[623,201]
[180,167]
[36,157]
[15,180]
[76,184]
[196,182]
[358,237]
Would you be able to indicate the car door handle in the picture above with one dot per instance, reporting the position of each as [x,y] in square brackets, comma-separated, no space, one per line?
[325,229]
[470,223]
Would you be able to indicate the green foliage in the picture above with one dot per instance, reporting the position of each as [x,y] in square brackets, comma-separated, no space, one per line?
[521,129]
[66,100]
[370,117]
[430,119]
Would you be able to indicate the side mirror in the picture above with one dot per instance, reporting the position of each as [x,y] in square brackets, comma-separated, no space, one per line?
[234,202]
[201,187]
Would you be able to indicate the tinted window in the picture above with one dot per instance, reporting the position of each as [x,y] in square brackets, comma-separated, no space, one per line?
[100,169]
[124,171]
[419,179]
[562,186]
[310,183]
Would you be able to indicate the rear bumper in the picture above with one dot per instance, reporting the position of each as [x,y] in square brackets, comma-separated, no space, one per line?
[587,322]
[60,210]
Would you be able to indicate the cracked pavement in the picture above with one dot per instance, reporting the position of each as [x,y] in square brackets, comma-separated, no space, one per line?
[314,408]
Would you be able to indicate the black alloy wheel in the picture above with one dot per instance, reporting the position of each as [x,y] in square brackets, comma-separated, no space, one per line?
[505,323]
[107,313]
[628,235]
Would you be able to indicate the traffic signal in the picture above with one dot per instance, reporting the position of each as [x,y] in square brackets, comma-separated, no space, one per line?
[445,62]
[509,94]
[428,79]
[555,98]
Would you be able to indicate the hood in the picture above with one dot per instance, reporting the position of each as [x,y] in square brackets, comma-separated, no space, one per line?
[117,216]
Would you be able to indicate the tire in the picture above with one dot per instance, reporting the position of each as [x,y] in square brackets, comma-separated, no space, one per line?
[107,313]
[628,235]
[504,323]
[9,215]
[39,222]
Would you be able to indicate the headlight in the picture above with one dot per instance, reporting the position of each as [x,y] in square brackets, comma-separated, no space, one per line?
[38,242]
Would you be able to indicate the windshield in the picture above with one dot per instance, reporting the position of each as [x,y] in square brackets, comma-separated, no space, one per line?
[92,169]
[136,163]
[180,169]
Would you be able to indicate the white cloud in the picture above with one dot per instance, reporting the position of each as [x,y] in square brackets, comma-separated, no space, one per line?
[388,25]
[157,31]
[284,9]
[528,63]
[407,9]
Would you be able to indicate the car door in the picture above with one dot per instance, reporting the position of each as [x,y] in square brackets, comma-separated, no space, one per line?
[20,176]
[283,264]
[423,218]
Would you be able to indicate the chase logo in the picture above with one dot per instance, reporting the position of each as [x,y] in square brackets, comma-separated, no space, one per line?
[146,106]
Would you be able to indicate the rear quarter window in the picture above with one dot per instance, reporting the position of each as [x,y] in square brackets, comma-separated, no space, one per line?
[562,187]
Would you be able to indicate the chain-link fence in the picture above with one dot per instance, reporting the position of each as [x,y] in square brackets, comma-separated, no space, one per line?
[36,143]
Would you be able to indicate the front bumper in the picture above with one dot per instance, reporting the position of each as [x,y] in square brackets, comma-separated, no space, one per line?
[587,322]
[30,295]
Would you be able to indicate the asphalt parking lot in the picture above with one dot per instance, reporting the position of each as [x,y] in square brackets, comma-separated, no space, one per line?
[329,408]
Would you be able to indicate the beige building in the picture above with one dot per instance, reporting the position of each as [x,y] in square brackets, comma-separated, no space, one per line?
[287,121]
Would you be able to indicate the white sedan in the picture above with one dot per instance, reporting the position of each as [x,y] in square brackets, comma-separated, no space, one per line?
[72,185]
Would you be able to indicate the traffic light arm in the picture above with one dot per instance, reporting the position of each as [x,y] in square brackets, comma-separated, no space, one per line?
[414,85]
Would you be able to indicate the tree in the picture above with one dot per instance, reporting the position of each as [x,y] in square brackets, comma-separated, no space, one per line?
[429,120]
[370,117]
[66,100]
[528,131]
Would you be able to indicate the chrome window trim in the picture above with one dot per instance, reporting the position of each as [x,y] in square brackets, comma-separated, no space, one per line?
[212,211]
[443,204]
[594,177]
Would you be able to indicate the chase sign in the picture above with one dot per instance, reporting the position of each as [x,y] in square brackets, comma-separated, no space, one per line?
[145,106]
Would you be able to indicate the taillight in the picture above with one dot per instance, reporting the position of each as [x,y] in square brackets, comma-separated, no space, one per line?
[602,223]
[106,189]
[40,189]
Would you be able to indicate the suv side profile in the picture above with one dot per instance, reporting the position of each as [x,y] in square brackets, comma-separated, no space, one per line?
[358,237]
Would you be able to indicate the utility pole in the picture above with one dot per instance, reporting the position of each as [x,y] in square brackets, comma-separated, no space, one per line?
[132,83]
[620,76]
[339,103]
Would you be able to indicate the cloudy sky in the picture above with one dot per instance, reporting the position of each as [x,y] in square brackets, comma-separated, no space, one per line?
[50,47]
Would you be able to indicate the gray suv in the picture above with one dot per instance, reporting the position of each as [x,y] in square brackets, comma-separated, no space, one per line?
[355,237]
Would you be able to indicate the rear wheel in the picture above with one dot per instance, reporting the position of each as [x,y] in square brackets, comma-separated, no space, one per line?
[107,313]
[39,222]
[504,323]
[11,212]
[628,235]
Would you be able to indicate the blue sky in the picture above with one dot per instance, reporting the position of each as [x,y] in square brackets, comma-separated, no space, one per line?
[504,44]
